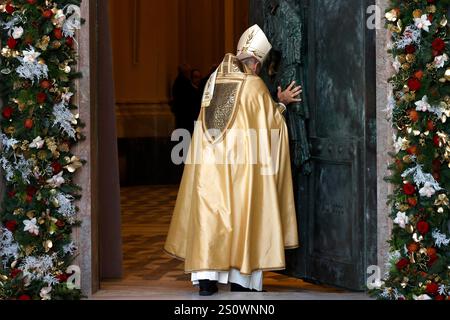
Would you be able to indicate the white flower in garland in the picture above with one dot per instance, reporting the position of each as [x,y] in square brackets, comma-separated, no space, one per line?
[38,267]
[66,96]
[9,249]
[427,190]
[423,104]
[400,143]
[17,32]
[421,178]
[8,143]
[31,68]
[442,290]
[440,61]
[46,293]
[66,207]
[422,297]
[31,226]
[423,23]
[64,119]
[37,143]
[410,35]
[397,65]
[25,167]
[73,22]
[70,248]
[7,168]
[56,181]
[440,239]
[402,220]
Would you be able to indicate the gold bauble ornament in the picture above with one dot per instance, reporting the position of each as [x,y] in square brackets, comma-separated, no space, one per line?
[410,57]
[443,22]
[48,245]
[417,13]
[406,66]
[401,58]
[410,229]
[431,9]
[447,74]
[392,15]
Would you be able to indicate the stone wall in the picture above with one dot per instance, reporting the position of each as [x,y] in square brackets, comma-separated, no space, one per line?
[384,137]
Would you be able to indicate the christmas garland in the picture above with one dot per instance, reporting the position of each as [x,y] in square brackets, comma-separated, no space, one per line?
[419,259]
[39,126]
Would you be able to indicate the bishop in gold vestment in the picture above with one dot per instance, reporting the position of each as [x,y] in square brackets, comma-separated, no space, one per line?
[236,217]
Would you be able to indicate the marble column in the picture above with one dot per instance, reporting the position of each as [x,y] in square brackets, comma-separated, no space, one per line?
[384,138]
[86,236]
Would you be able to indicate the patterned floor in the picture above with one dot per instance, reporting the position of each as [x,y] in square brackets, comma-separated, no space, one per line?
[146,214]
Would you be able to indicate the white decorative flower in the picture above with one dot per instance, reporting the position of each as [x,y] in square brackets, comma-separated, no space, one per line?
[402,220]
[427,190]
[423,104]
[66,97]
[423,23]
[400,144]
[31,226]
[56,181]
[417,238]
[45,293]
[59,18]
[396,65]
[30,56]
[440,61]
[17,32]
[37,143]
[422,297]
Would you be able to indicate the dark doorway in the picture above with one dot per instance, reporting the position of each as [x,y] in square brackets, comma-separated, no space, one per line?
[336,201]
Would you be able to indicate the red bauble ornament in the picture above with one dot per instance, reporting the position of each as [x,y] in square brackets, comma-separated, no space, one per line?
[418,74]
[402,264]
[9,8]
[45,84]
[438,45]
[412,150]
[7,112]
[24,297]
[11,225]
[412,202]
[32,1]
[414,115]
[430,125]
[62,278]
[69,42]
[57,167]
[423,227]
[47,14]
[409,189]
[410,49]
[29,123]
[437,141]
[12,43]
[414,84]
[58,33]
[41,97]
[432,289]
[15,272]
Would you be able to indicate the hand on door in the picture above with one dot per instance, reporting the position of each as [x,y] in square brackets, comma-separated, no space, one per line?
[290,95]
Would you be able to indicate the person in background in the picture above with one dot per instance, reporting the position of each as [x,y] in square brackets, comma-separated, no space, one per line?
[195,98]
[181,94]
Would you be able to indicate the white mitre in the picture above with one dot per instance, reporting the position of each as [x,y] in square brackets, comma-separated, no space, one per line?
[254,43]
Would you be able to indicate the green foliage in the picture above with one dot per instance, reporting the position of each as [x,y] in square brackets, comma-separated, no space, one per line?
[419,266]
[38,163]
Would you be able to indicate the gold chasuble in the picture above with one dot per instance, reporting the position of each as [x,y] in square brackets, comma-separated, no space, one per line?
[235,208]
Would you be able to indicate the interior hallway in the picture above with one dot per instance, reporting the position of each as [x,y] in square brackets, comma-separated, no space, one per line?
[151,274]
